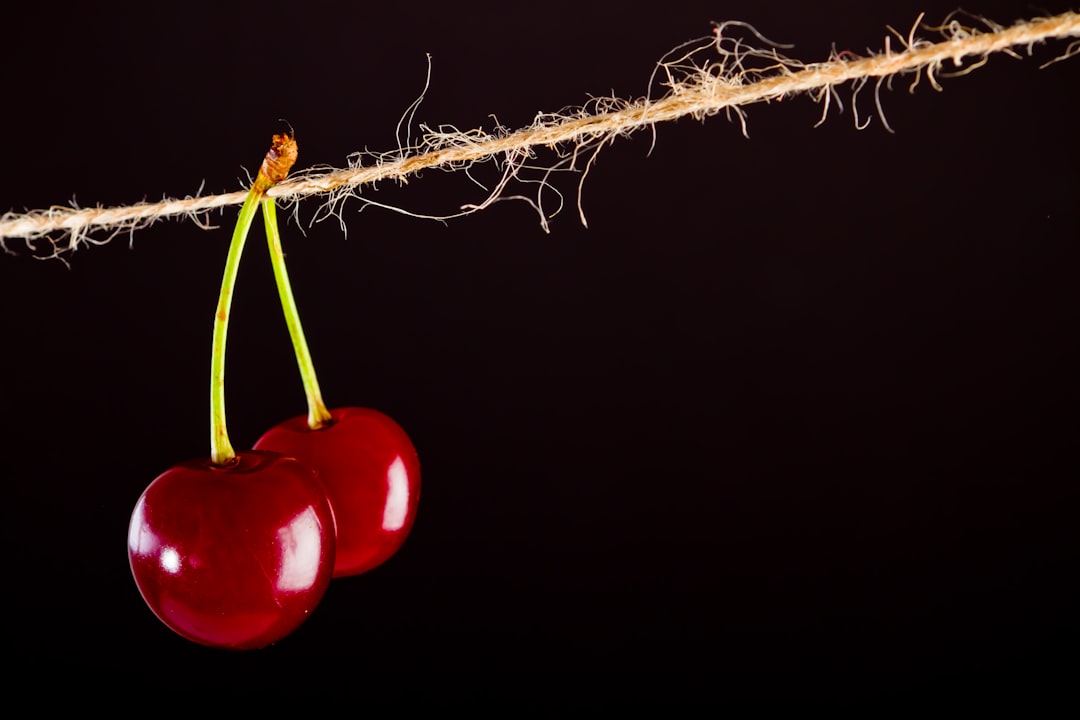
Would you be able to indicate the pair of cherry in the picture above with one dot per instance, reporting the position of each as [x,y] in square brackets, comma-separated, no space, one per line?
[237,549]
[237,556]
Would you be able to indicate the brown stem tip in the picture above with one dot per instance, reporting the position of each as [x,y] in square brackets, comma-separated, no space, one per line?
[278,161]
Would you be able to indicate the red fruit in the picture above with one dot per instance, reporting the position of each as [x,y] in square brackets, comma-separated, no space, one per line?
[371,473]
[235,556]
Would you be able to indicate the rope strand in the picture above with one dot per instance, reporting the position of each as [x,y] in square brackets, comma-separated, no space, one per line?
[696,86]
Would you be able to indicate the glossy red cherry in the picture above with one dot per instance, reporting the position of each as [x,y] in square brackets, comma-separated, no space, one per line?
[235,556]
[372,476]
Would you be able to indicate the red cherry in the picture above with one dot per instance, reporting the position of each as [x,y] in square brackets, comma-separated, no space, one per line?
[234,556]
[372,476]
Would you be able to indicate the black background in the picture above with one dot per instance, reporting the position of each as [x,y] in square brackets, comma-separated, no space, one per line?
[792,420]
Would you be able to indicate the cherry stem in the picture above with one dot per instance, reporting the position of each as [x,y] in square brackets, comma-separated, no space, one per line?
[221,450]
[318,415]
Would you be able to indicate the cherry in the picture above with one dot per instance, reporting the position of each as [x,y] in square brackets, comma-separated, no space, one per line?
[372,477]
[234,550]
[233,556]
[365,460]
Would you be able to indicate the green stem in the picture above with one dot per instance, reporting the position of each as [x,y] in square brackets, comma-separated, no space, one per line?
[318,415]
[221,450]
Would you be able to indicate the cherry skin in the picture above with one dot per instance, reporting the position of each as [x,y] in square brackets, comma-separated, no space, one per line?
[235,556]
[372,476]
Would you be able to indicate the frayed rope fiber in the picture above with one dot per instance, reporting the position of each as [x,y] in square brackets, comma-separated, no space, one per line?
[701,78]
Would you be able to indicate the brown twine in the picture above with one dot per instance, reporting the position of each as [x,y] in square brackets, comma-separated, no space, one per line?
[695,89]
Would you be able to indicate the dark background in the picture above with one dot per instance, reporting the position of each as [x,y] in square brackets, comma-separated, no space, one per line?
[793,420]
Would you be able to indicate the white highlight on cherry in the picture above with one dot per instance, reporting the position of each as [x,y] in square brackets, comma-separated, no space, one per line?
[170,560]
[301,546]
[397,496]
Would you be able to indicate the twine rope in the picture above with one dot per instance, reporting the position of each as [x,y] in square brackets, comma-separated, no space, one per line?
[695,88]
